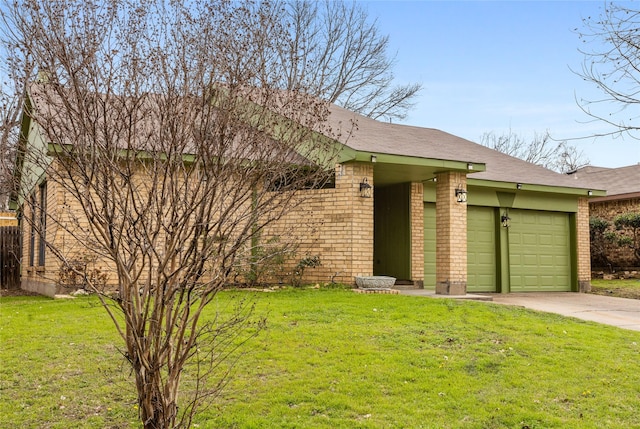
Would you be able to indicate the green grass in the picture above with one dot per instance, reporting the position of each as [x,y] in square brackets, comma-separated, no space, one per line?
[336,359]
[628,288]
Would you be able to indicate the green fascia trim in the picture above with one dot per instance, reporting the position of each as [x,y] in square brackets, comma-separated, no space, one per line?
[503,272]
[521,200]
[23,141]
[29,174]
[55,149]
[346,154]
[491,197]
[349,154]
[512,186]
[573,231]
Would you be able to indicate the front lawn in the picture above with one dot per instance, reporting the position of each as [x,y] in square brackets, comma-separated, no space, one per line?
[624,288]
[336,359]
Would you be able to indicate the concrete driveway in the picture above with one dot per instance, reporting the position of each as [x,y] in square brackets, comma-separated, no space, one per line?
[620,312]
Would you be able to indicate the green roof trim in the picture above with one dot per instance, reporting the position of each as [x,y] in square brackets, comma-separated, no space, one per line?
[523,186]
[349,154]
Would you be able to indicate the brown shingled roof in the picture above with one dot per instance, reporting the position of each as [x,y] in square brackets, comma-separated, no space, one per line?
[616,181]
[381,137]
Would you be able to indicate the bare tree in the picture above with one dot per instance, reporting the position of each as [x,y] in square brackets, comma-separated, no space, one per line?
[345,59]
[612,53]
[10,107]
[542,150]
[170,145]
[13,71]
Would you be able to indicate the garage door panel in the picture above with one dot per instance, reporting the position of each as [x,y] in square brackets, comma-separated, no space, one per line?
[481,249]
[547,261]
[546,240]
[539,249]
[429,245]
[485,237]
[486,279]
[547,281]
[485,260]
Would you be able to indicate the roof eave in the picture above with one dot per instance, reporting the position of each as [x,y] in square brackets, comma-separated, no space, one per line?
[351,155]
[515,186]
[615,197]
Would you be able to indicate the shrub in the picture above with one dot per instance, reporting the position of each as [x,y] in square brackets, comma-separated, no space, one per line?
[303,264]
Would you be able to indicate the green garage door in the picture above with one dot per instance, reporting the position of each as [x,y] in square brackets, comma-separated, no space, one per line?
[429,246]
[539,251]
[481,249]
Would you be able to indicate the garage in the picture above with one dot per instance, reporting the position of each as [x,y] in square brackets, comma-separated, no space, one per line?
[481,249]
[539,251]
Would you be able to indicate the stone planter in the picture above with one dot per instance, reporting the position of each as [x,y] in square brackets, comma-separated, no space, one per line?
[375,282]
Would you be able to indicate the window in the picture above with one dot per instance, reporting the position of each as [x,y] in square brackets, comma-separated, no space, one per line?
[32,231]
[42,223]
[295,179]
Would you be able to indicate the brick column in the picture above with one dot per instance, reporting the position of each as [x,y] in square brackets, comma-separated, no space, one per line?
[361,225]
[583,244]
[451,235]
[417,234]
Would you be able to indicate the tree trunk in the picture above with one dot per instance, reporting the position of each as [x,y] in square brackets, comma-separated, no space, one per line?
[157,401]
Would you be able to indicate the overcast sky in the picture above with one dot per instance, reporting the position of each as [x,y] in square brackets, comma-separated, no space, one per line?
[494,66]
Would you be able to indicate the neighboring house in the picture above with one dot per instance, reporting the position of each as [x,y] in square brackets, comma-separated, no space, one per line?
[623,196]
[443,213]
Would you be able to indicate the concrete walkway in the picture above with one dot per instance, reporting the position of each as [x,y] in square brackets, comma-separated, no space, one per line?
[620,312]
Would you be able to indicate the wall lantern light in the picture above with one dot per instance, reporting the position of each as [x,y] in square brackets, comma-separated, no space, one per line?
[374,158]
[365,188]
[461,194]
[469,166]
[504,219]
[590,192]
[519,186]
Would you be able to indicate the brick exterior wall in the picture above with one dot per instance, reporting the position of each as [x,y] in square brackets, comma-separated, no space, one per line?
[451,235]
[8,219]
[417,234]
[38,277]
[335,224]
[583,245]
[619,256]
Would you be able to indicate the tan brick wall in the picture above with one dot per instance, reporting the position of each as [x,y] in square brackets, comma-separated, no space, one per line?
[8,219]
[619,256]
[37,277]
[417,233]
[583,245]
[451,235]
[335,224]
[68,232]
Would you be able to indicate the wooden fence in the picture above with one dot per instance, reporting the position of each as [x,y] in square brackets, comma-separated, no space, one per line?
[10,252]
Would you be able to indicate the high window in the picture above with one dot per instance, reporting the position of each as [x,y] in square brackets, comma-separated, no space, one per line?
[32,231]
[42,223]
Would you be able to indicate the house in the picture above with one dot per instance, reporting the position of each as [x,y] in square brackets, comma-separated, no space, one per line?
[424,206]
[623,196]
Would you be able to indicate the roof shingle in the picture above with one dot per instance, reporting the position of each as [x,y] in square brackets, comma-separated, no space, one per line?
[374,136]
[616,181]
